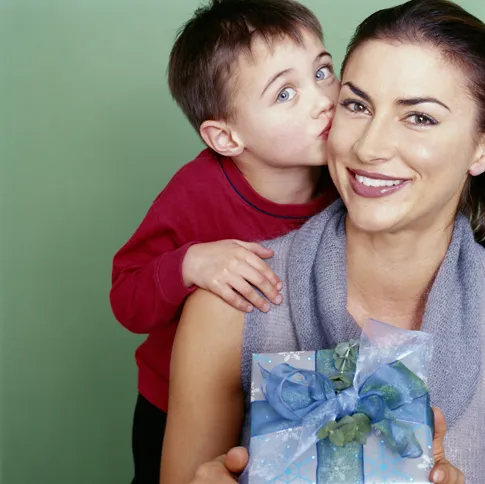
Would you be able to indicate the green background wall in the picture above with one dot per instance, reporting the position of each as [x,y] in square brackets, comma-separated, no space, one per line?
[88,137]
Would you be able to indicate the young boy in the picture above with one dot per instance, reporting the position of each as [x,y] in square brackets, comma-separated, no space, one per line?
[255,80]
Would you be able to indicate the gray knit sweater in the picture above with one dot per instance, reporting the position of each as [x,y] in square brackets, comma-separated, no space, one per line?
[312,265]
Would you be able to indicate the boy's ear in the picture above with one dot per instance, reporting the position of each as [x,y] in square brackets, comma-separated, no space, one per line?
[221,138]
[478,166]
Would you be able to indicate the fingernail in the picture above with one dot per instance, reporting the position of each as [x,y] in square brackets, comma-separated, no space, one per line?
[438,476]
[249,309]
[279,286]
[266,307]
[278,299]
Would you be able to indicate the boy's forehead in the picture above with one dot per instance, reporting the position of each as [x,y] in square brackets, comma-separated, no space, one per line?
[266,48]
[278,53]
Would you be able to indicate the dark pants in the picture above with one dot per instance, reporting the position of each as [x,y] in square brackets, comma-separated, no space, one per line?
[148,429]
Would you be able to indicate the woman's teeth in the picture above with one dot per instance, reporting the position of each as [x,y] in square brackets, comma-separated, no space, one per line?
[372,182]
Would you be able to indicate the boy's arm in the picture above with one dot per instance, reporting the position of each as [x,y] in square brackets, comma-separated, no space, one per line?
[206,406]
[155,271]
[147,285]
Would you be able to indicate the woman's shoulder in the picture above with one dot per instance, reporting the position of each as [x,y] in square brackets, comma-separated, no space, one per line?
[204,305]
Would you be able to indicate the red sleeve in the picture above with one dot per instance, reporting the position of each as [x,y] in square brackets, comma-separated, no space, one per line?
[148,290]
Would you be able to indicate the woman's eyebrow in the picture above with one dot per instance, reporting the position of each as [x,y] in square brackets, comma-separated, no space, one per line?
[420,100]
[357,91]
[413,101]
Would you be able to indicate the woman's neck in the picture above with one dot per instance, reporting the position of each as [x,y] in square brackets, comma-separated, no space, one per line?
[390,275]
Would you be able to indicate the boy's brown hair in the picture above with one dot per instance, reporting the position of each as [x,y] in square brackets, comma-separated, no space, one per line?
[202,61]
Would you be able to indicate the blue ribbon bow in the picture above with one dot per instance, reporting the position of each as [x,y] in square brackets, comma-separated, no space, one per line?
[310,400]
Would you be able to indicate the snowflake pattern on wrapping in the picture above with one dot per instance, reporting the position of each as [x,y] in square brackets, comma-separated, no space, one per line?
[290,355]
[296,474]
[338,469]
[426,463]
[255,391]
[288,434]
[382,467]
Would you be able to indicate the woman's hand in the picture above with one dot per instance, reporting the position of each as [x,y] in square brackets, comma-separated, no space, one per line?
[443,472]
[222,469]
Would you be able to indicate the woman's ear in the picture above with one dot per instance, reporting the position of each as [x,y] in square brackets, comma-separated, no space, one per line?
[478,166]
[220,137]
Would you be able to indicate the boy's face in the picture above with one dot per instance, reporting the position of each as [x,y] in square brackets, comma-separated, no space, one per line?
[284,101]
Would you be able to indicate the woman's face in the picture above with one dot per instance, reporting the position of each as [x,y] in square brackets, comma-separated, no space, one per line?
[404,138]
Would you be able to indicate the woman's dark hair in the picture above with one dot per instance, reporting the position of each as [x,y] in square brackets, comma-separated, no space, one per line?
[461,38]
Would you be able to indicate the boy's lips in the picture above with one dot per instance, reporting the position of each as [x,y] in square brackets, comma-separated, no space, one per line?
[326,131]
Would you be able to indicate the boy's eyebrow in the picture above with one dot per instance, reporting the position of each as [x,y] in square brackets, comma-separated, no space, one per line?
[274,78]
[324,53]
[413,101]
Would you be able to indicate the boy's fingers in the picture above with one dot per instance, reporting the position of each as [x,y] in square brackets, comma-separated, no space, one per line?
[258,280]
[254,256]
[257,249]
[265,270]
[233,298]
[247,291]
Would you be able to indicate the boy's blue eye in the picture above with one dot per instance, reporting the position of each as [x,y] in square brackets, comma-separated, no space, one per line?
[323,73]
[287,94]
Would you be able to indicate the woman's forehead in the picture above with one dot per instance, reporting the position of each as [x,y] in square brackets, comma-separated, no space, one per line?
[400,70]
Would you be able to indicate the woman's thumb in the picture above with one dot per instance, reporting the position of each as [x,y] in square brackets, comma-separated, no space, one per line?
[439,435]
[236,460]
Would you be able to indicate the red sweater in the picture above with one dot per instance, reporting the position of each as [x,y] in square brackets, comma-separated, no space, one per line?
[207,200]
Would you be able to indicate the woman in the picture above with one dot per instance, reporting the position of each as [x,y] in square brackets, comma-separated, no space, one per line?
[407,154]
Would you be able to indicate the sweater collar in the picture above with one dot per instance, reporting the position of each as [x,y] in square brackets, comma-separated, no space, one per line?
[318,303]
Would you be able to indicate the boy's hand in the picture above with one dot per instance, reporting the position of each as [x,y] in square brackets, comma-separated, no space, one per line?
[229,268]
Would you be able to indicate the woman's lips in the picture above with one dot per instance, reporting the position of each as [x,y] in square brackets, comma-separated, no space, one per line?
[374,185]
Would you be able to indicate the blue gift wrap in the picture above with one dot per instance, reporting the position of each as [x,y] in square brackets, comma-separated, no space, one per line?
[301,410]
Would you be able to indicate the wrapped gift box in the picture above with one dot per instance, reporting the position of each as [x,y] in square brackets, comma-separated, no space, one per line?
[356,414]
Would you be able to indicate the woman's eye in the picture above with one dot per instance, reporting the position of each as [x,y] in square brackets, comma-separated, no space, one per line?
[287,94]
[354,106]
[421,119]
[323,73]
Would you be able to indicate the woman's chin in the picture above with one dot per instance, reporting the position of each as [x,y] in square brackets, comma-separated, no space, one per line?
[367,219]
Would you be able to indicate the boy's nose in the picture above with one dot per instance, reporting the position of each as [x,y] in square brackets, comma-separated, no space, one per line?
[323,105]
